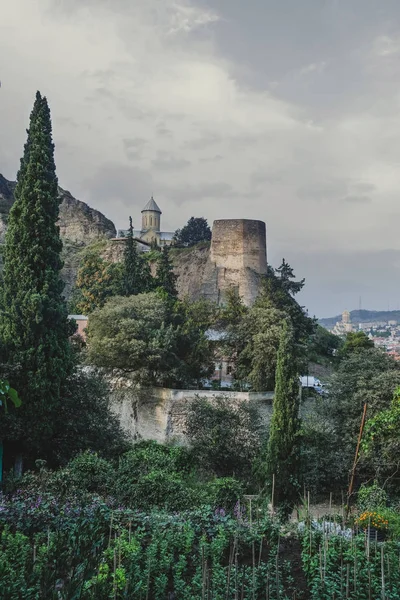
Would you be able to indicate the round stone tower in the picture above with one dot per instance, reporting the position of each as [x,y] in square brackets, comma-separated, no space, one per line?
[238,258]
[151,216]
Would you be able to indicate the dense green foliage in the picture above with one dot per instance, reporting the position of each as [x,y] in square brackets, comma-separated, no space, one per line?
[355,341]
[253,334]
[137,276]
[165,277]
[282,461]
[196,230]
[35,328]
[225,438]
[323,346]
[330,428]
[97,280]
[156,342]
[94,550]
[342,568]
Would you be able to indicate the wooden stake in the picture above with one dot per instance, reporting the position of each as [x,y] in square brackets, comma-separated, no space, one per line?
[383,574]
[353,471]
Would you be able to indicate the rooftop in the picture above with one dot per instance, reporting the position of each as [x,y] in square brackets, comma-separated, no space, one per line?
[152,205]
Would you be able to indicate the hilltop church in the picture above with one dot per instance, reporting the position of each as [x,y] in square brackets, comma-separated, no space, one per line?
[151,228]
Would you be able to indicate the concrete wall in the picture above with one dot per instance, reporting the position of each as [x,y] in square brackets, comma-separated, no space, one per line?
[160,413]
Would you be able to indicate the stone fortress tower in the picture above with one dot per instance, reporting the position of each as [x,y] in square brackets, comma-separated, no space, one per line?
[238,258]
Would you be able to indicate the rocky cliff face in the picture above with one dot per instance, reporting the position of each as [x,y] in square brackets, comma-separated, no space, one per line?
[78,222]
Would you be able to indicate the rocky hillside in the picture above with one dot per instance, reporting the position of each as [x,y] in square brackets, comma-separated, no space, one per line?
[79,224]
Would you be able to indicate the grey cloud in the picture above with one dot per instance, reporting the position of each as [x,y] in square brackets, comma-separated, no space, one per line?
[134,147]
[357,199]
[165,161]
[202,192]
[163,131]
[258,178]
[207,139]
[209,159]
[327,190]
[117,185]
[364,187]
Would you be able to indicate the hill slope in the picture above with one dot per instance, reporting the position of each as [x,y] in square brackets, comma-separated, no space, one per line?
[363,316]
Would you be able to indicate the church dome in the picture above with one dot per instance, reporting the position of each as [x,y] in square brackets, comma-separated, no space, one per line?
[152,206]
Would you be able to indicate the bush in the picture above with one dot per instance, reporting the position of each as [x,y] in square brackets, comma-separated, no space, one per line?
[371,497]
[91,473]
[224,437]
[224,492]
[152,475]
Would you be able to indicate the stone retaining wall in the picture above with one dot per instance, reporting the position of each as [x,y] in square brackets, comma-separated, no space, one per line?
[160,413]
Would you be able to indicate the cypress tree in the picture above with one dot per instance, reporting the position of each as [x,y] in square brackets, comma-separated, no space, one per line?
[283,448]
[131,264]
[35,327]
[166,278]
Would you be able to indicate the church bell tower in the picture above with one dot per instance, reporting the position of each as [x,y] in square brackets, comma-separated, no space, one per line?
[151,216]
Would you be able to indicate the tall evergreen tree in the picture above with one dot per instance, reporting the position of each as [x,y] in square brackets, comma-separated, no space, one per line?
[283,444]
[35,326]
[132,265]
[166,278]
[137,275]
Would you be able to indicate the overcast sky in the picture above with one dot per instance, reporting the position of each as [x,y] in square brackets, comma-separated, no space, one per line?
[286,111]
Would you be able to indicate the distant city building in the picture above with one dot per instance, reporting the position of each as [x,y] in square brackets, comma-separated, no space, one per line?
[151,227]
[344,326]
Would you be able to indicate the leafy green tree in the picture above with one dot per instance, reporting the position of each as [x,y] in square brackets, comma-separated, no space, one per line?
[137,276]
[354,342]
[196,230]
[280,290]
[194,348]
[84,420]
[323,345]
[224,437]
[165,277]
[331,426]
[133,334]
[35,327]
[141,336]
[97,280]
[260,333]
[283,454]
